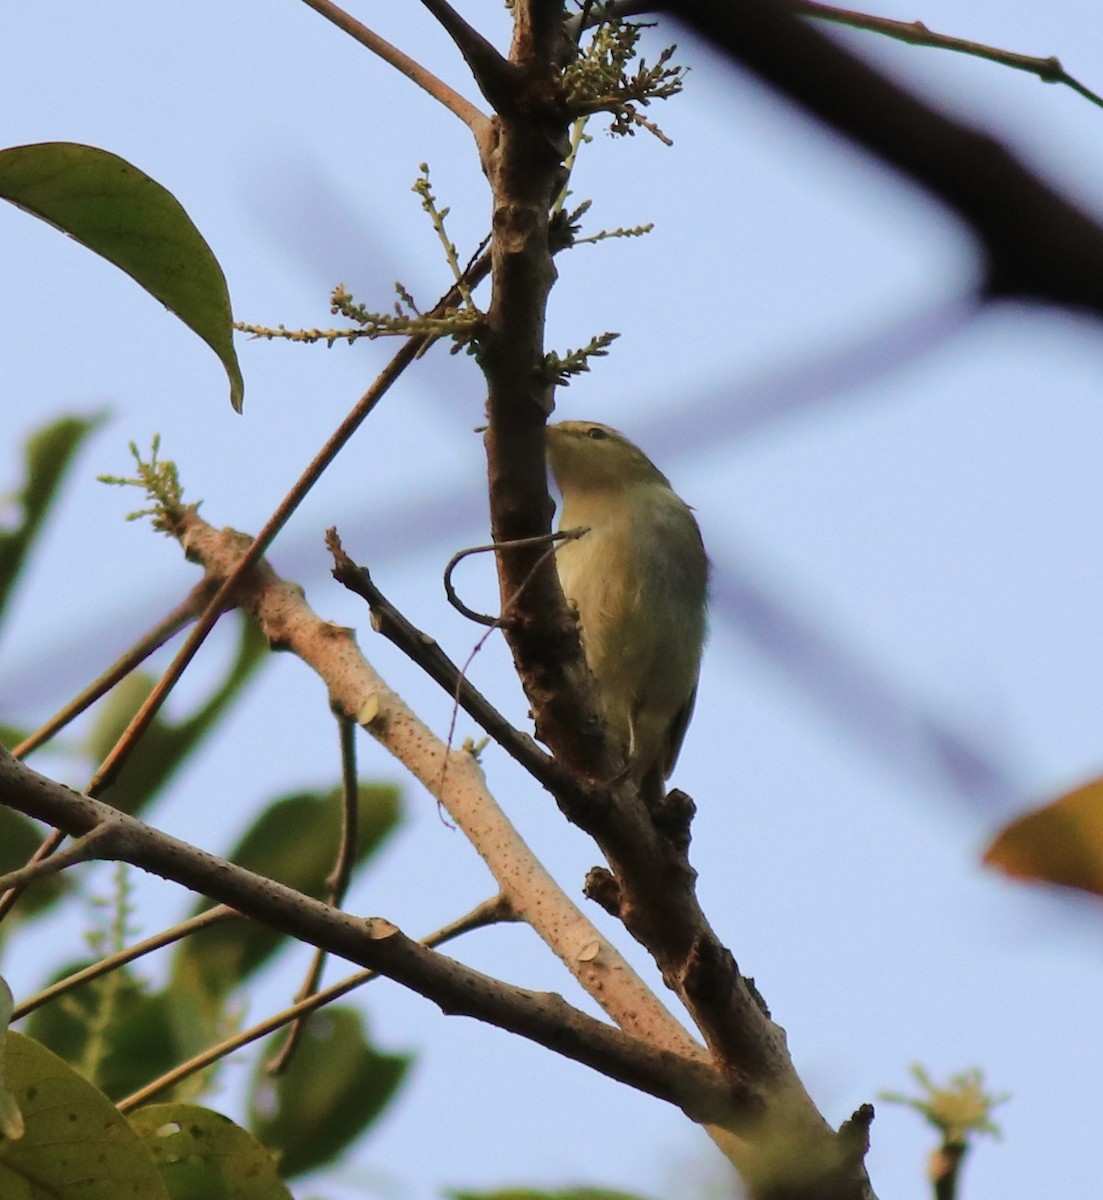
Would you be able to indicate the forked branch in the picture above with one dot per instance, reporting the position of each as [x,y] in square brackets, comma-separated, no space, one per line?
[471,116]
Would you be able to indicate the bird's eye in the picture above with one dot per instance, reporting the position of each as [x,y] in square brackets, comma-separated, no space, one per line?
[595,431]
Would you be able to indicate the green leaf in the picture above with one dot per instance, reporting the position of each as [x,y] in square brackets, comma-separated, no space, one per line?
[334,1087]
[166,745]
[76,1146]
[203,1155]
[47,455]
[295,842]
[145,1033]
[131,220]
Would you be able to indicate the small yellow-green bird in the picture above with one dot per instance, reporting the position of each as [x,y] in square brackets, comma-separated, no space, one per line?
[639,580]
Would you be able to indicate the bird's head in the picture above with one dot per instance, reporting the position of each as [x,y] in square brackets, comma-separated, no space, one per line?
[584,455]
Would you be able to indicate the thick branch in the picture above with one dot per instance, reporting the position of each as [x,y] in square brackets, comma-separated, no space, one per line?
[544,1018]
[1037,244]
[498,79]
[526,174]
[653,887]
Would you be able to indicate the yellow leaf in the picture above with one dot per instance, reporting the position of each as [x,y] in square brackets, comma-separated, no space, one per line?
[1061,843]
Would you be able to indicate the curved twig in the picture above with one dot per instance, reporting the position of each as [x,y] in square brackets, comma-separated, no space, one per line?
[562,535]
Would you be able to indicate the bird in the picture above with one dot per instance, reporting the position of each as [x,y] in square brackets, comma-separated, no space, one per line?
[638,579]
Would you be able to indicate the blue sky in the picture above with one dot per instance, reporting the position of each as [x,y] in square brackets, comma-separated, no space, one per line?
[902,502]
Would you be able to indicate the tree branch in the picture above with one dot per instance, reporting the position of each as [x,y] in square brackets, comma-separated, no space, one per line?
[915,33]
[653,887]
[544,1018]
[526,173]
[487,913]
[497,78]
[1037,244]
[475,120]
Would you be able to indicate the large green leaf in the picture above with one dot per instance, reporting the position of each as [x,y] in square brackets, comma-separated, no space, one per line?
[293,841]
[334,1087]
[203,1155]
[76,1145]
[131,220]
[47,455]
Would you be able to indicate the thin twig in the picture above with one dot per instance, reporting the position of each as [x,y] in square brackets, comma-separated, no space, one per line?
[166,937]
[338,881]
[42,866]
[171,624]
[337,885]
[490,912]
[461,107]
[46,848]
[915,33]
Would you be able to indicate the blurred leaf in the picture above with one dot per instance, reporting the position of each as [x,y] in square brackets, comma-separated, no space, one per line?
[77,1146]
[334,1087]
[203,1155]
[47,456]
[294,841]
[1061,843]
[528,1194]
[166,745]
[131,220]
[147,1033]
[959,1109]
